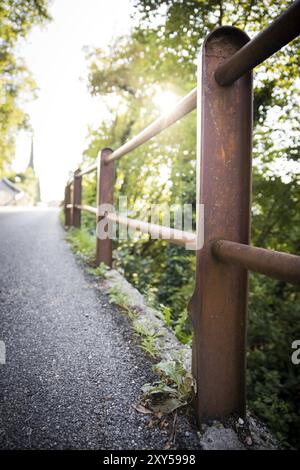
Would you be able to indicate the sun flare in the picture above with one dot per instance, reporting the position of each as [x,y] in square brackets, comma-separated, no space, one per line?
[165,100]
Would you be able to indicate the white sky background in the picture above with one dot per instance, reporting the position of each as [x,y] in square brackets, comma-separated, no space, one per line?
[64,109]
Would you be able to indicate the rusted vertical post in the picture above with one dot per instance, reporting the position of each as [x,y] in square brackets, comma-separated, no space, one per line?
[67,209]
[218,307]
[105,195]
[77,199]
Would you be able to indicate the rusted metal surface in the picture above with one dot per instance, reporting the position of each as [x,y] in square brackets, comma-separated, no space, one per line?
[177,237]
[218,307]
[275,264]
[183,107]
[77,199]
[279,33]
[105,195]
[68,206]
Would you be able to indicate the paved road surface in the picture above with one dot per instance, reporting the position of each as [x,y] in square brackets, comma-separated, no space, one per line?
[72,370]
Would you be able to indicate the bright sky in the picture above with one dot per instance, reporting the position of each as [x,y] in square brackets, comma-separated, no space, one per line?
[64,109]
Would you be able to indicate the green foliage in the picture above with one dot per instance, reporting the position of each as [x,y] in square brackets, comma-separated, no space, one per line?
[82,243]
[148,345]
[174,372]
[175,386]
[157,388]
[99,271]
[167,314]
[163,272]
[17,17]
[148,338]
[118,297]
[273,381]
[161,54]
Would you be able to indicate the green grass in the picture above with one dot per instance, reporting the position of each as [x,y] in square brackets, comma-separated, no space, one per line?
[99,271]
[121,300]
[175,387]
[83,243]
[62,217]
[147,337]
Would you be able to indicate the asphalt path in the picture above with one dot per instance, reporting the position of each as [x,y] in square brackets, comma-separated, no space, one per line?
[73,369]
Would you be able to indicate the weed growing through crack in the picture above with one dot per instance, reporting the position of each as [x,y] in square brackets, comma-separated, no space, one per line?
[166,311]
[148,338]
[120,299]
[99,271]
[173,390]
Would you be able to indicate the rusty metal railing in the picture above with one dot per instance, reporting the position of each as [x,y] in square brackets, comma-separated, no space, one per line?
[218,308]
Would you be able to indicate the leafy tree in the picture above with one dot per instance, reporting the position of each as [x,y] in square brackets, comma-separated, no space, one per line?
[17,17]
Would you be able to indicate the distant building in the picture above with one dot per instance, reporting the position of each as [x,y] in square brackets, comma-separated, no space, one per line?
[10,194]
[37,196]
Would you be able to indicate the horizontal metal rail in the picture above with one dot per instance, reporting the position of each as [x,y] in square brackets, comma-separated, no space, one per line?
[69,206]
[88,170]
[279,33]
[87,208]
[275,264]
[177,237]
[183,107]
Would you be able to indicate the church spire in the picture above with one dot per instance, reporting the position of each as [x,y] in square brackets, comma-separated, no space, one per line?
[33,179]
[31,162]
